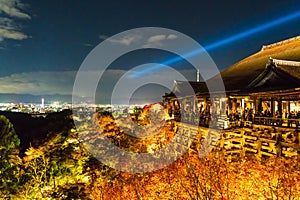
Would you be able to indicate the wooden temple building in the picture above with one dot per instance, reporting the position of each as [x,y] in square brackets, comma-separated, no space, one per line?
[264,88]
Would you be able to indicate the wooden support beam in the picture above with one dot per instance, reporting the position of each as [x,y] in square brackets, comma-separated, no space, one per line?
[239,141]
[272,107]
[279,106]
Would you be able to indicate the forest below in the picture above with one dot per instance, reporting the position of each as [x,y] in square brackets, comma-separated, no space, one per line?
[44,158]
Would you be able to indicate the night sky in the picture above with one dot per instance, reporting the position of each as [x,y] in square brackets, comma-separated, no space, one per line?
[43,43]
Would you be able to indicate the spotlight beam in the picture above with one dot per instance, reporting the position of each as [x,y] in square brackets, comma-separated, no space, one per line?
[222,42]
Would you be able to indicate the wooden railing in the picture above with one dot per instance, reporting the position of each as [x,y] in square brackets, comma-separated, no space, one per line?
[260,142]
[271,121]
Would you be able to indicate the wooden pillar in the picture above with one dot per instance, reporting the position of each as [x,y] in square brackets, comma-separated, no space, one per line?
[272,107]
[278,144]
[259,107]
[234,103]
[258,148]
[298,150]
[255,104]
[279,108]
[243,149]
[174,107]
[183,104]
[195,104]
[243,103]
[207,104]
[229,106]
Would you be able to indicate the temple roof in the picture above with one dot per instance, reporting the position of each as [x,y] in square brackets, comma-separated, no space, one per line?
[241,74]
[188,88]
[278,75]
[258,72]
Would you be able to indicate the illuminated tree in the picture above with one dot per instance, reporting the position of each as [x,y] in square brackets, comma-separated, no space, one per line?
[9,159]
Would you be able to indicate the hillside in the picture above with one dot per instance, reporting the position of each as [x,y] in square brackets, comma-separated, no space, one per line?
[32,131]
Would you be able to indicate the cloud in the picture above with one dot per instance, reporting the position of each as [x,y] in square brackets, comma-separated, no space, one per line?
[156,38]
[7,23]
[9,29]
[87,45]
[11,34]
[127,40]
[62,82]
[54,82]
[13,8]
[156,41]
[38,83]
[103,37]
[172,36]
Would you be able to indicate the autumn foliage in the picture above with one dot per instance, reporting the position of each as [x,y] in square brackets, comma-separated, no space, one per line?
[62,168]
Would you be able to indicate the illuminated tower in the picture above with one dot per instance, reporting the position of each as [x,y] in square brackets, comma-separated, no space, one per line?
[198,75]
[43,103]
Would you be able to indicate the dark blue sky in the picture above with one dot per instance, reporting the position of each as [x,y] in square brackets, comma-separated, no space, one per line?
[57,35]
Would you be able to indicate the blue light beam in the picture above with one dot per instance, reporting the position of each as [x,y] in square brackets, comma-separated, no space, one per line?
[222,42]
